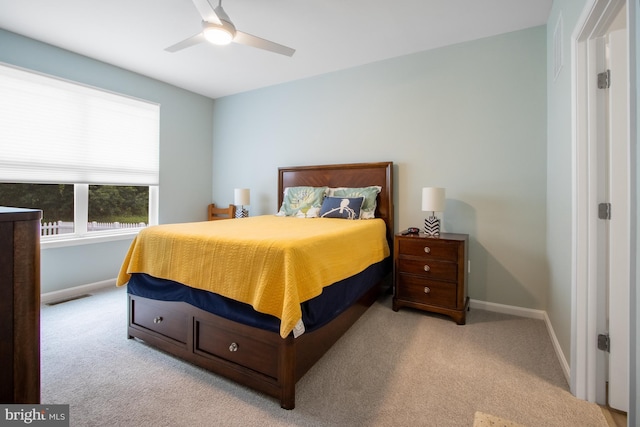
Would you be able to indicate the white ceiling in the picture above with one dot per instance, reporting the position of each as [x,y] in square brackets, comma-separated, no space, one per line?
[328,35]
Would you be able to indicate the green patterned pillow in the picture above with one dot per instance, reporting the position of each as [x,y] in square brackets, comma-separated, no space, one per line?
[304,202]
[370,195]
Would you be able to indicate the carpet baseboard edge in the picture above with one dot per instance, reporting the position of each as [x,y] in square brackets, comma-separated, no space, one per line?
[507,309]
[532,314]
[75,291]
[566,370]
[482,305]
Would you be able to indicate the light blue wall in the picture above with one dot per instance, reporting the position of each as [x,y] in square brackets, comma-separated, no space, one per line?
[185,151]
[469,117]
[634,46]
[559,173]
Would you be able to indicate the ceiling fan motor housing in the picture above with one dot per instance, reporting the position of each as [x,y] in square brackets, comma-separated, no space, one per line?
[220,34]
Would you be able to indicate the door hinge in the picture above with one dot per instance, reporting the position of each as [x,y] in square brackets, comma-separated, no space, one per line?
[604,343]
[604,210]
[604,80]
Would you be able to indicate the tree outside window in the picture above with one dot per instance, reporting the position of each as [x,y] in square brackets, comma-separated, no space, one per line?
[110,207]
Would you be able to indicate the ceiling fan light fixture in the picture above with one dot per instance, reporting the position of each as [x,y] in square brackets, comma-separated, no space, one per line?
[218,34]
[218,29]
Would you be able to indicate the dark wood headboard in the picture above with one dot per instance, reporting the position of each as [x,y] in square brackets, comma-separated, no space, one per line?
[345,175]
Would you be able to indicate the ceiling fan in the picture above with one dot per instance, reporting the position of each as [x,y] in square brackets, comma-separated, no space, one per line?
[217,28]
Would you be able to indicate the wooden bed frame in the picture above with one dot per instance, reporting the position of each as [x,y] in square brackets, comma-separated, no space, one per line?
[253,357]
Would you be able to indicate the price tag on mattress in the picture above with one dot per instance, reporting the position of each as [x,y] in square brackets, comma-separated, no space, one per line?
[298,329]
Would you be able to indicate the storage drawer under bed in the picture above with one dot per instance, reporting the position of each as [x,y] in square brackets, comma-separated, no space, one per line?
[228,344]
[221,340]
[157,317]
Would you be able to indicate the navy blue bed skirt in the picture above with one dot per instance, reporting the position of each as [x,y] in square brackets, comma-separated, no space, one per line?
[316,312]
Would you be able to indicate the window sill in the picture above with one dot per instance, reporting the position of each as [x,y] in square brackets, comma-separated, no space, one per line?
[87,239]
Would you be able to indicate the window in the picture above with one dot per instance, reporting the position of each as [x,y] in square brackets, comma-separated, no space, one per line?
[87,157]
[111,208]
[55,201]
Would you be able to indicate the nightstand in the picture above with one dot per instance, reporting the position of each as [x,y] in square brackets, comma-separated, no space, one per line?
[430,273]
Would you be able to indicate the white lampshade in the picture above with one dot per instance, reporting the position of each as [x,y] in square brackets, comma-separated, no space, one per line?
[433,199]
[241,196]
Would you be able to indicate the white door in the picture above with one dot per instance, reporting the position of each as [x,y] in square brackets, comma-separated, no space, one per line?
[601,250]
[619,243]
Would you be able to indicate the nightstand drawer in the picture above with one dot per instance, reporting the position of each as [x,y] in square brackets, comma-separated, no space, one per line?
[432,248]
[429,268]
[424,291]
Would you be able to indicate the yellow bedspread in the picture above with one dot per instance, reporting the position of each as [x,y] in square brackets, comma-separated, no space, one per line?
[272,263]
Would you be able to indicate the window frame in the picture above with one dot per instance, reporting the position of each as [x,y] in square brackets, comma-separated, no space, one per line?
[81,236]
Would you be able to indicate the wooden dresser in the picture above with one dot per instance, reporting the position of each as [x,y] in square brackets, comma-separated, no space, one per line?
[430,273]
[19,305]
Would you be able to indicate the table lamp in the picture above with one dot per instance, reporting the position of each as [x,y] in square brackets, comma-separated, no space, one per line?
[432,201]
[241,198]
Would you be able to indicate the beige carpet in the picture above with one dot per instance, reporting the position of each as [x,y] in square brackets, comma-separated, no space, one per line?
[485,420]
[390,369]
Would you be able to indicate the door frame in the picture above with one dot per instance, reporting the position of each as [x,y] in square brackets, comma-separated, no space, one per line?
[587,365]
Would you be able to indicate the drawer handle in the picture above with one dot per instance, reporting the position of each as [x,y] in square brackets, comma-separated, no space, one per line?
[427,249]
[157,319]
[426,267]
[233,347]
[426,290]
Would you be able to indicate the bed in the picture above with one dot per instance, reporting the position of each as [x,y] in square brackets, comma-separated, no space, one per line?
[221,324]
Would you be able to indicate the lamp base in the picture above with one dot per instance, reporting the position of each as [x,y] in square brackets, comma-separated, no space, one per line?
[242,213]
[432,226]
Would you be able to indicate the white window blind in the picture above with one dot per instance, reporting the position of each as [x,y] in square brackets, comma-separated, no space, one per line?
[55,131]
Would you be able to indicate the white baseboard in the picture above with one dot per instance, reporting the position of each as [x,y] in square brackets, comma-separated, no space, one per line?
[507,309]
[532,314]
[556,346]
[77,291]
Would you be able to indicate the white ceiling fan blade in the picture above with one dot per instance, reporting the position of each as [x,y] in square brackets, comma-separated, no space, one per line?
[193,40]
[249,40]
[207,11]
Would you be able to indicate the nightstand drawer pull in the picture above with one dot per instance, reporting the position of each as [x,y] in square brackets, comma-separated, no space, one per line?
[233,347]
[157,319]
[427,249]
[426,267]
[427,290]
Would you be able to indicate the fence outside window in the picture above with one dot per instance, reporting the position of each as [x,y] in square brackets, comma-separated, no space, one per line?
[66,227]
